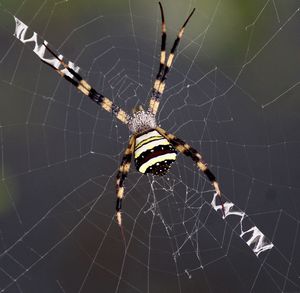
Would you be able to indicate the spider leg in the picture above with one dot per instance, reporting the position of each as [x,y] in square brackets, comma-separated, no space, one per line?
[121,176]
[154,103]
[164,68]
[187,150]
[67,70]
[163,44]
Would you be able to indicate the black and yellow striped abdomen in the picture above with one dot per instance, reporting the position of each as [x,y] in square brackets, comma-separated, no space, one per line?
[153,153]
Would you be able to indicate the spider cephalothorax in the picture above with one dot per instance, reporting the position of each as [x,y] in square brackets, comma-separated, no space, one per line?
[141,121]
[153,148]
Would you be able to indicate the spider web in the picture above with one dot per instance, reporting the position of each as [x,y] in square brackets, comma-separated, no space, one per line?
[232,94]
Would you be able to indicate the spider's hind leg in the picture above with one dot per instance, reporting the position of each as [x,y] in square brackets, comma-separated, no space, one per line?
[187,150]
[121,176]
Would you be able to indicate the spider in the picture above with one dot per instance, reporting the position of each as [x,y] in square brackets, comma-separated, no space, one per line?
[153,148]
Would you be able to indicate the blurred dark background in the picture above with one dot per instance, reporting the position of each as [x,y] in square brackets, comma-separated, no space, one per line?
[233,94]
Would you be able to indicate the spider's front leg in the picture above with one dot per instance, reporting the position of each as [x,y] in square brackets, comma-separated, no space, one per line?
[164,67]
[187,150]
[67,70]
[121,176]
